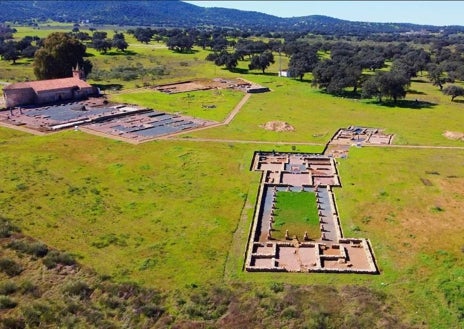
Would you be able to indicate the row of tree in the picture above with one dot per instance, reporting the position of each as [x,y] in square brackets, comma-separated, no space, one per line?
[335,66]
[11,50]
[102,43]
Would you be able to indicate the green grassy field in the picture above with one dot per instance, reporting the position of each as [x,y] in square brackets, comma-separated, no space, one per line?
[176,214]
[297,213]
[312,115]
[194,104]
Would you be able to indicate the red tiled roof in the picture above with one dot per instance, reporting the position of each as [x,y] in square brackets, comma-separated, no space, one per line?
[53,84]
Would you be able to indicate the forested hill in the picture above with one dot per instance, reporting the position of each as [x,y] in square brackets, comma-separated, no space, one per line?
[174,13]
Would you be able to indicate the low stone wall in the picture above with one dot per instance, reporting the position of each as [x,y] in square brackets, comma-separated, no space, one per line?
[342,270]
[265,269]
[336,260]
[370,255]
[252,236]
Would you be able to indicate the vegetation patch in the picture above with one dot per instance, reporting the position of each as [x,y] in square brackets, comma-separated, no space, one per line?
[297,213]
[208,104]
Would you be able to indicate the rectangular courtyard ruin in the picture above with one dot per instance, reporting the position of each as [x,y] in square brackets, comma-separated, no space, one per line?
[126,122]
[283,240]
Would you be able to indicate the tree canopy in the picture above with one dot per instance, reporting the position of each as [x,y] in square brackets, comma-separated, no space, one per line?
[453,91]
[119,42]
[224,58]
[302,62]
[392,85]
[58,55]
[100,42]
[181,42]
[262,61]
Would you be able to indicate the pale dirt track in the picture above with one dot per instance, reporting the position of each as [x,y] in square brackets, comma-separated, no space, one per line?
[238,141]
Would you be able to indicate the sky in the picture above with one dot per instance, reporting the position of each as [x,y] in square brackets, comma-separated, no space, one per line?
[438,13]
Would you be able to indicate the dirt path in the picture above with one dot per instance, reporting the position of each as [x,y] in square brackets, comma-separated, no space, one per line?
[237,109]
[24,129]
[419,147]
[218,140]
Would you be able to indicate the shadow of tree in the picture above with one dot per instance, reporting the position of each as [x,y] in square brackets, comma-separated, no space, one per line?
[20,63]
[415,92]
[409,104]
[109,86]
[121,53]
[239,70]
[343,94]
[186,52]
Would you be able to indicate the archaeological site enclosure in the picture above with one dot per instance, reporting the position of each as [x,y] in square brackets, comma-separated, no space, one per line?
[311,241]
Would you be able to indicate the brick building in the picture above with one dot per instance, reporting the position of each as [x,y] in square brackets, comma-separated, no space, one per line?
[48,91]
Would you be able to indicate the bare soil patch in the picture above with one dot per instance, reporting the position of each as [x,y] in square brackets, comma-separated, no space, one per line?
[426,182]
[454,135]
[204,84]
[278,126]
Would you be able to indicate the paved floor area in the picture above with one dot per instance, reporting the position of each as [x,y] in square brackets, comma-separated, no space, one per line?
[125,122]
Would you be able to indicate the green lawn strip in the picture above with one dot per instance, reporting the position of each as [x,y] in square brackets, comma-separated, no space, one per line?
[297,213]
[205,104]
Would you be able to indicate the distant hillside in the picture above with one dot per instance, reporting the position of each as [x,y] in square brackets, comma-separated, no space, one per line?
[176,13]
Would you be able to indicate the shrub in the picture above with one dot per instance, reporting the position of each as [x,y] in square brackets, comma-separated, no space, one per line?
[10,267]
[111,302]
[6,228]
[208,304]
[55,257]
[13,323]
[290,313]
[277,287]
[127,290]
[36,249]
[31,316]
[8,288]
[78,288]
[6,303]
[94,317]
[110,239]
[27,287]
[73,308]
[356,228]
[40,314]
[152,311]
